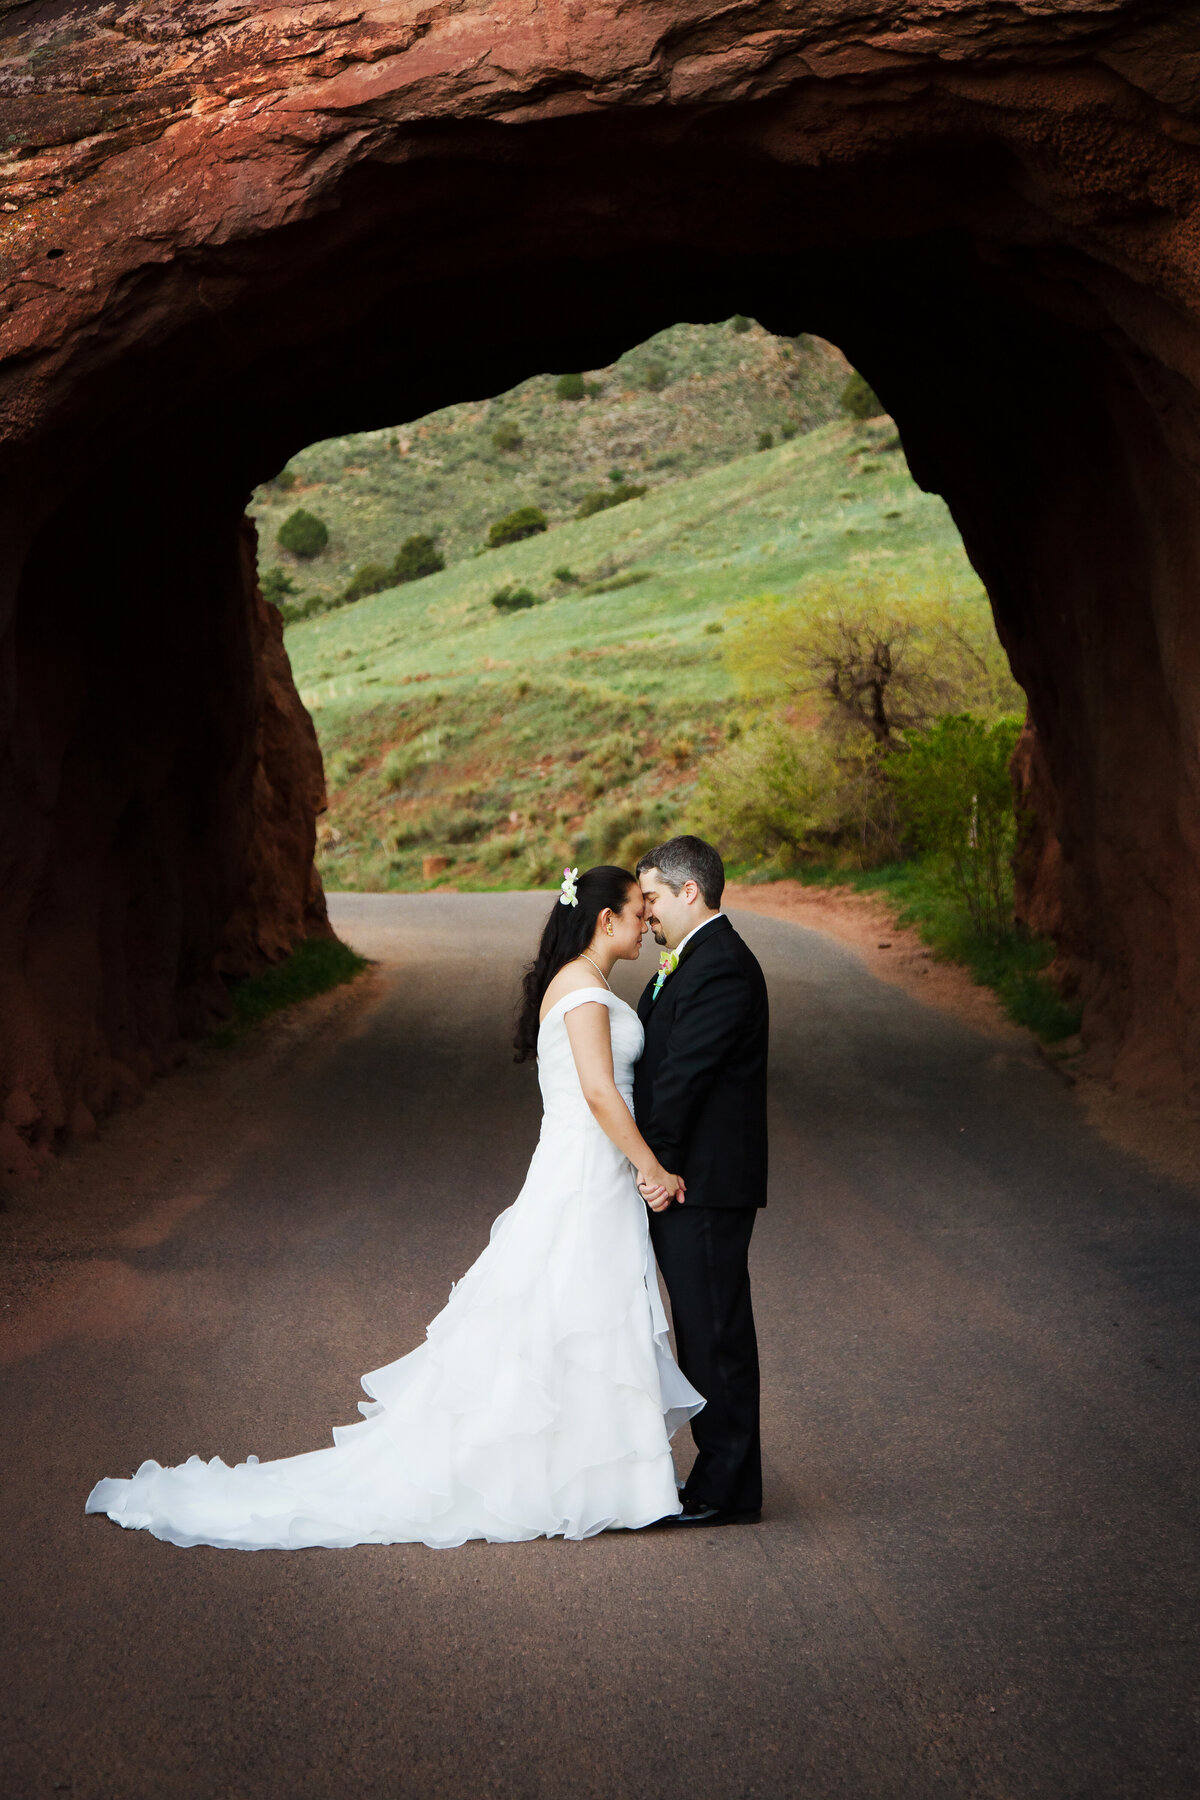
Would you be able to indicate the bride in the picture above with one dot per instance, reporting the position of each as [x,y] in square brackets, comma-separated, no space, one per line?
[543,1398]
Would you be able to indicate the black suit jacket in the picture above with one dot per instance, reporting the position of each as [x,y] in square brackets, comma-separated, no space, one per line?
[700,1089]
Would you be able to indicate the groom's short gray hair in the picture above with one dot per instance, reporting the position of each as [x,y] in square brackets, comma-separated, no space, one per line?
[683,859]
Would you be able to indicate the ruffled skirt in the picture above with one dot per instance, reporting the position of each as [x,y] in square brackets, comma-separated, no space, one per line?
[541,1403]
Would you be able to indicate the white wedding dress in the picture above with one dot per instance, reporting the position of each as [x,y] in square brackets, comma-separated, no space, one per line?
[540,1405]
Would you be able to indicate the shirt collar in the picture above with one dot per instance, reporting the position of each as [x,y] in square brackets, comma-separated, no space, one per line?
[691,934]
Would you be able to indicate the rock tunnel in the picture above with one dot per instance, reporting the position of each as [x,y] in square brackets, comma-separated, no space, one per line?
[229,230]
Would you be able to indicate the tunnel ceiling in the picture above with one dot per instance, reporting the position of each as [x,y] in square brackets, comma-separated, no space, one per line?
[228,230]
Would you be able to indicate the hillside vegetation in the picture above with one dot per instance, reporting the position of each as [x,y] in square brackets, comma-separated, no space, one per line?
[476,747]
[689,399]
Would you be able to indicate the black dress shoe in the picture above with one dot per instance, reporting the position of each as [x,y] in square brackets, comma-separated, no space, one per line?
[699,1514]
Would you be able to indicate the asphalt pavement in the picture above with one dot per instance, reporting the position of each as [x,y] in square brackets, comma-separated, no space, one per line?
[977,1569]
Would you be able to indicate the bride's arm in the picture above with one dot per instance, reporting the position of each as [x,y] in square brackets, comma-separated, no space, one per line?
[591,1045]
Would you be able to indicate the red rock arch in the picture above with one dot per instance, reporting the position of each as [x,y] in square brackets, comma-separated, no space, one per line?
[229,231]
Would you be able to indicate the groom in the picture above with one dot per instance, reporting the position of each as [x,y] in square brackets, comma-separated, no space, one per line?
[700,1098]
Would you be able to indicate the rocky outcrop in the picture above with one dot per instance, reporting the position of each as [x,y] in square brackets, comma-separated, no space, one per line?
[230,229]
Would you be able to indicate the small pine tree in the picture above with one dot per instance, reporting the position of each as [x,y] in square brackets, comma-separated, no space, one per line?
[417,556]
[371,578]
[514,599]
[303,533]
[602,498]
[525,522]
[766,440]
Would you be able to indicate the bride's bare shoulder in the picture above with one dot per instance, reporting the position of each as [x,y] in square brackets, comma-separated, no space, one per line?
[572,976]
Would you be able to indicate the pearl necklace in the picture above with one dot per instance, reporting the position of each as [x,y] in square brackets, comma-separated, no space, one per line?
[598,969]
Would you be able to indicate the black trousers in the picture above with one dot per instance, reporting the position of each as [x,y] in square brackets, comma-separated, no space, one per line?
[702,1252]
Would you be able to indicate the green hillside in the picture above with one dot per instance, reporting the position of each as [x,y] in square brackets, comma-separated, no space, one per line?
[509,743]
[689,399]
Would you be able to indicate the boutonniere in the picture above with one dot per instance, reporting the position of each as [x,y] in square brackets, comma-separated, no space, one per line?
[668,962]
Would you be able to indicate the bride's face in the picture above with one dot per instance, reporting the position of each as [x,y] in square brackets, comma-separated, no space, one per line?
[629,927]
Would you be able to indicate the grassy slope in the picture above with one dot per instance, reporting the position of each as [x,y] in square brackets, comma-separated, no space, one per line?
[444,474]
[508,743]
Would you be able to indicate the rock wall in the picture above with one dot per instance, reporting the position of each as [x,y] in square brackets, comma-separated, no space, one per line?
[227,229]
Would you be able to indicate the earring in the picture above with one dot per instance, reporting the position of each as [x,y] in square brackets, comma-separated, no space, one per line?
[608,928]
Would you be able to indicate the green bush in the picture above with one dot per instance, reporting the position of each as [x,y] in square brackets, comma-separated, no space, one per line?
[956,801]
[285,481]
[525,522]
[371,578]
[303,533]
[773,788]
[593,389]
[787,433]
[766,440]
[859,399]
[506,436]
[276,586]
[455,825]
[567,577]
[417,557]
[740,323]
[600,499]
[622,833]
[655,377]
[569,387]
[515,599]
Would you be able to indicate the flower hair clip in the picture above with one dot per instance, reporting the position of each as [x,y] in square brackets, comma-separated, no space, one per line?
[568,895]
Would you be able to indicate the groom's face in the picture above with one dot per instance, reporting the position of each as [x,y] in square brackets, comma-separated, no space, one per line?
[669,916]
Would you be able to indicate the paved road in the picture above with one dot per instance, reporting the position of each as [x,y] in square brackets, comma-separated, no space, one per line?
[977,1573]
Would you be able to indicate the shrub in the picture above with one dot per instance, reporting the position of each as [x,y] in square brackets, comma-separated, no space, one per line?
[859,399]
[525,522]
[455,826]
[766,440]
[714,628]
[514,599]
[740,323]
[955,796]
[417,557]
[569,387]
[774,788]
[619,832]
[600,499]
[787,433]
[303,533]
[613,583]
[593,389]
[285,481]
[371,578]
[655,377]
[506,436]
[567,577]
[276,585]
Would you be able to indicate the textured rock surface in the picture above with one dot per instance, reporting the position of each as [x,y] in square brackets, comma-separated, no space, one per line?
[230,229]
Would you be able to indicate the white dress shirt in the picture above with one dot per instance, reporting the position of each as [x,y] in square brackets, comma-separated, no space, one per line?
[691,934]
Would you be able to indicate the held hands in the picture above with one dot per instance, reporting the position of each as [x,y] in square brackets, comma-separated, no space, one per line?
[658,1187]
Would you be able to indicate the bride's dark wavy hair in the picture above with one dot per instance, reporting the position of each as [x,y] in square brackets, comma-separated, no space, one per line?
[568,931]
